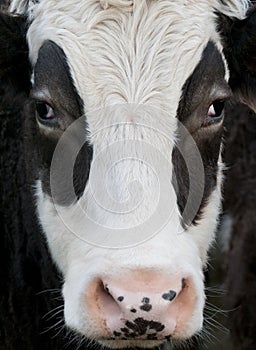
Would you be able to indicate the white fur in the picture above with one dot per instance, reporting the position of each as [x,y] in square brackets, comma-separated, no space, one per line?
[232,8]
[129,61]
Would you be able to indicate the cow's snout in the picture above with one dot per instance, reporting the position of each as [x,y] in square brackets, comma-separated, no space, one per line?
[141,307]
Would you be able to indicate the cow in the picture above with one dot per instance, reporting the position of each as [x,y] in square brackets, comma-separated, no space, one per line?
[124,119]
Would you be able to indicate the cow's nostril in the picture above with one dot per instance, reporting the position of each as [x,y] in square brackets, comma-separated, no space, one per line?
[106,288]
[170,296]
[106,303]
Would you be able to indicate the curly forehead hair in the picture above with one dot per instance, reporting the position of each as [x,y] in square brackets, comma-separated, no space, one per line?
[233,8]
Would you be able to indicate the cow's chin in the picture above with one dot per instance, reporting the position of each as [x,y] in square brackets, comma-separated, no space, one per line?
[122,344]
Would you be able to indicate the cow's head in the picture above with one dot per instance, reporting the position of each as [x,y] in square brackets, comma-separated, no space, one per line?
[129,99]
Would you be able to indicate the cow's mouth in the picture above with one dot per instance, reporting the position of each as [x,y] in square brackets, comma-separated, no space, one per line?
[131,343]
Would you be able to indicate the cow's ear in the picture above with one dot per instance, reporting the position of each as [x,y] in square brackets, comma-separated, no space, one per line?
[240,50]
[14,61]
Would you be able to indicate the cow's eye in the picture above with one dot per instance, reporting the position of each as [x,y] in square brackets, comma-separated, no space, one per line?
[45,113]
[215,113]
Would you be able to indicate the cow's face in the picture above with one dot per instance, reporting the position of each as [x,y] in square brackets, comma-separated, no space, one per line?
[129,110]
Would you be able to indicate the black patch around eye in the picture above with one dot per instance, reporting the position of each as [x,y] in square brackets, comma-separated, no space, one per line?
[82,169]
[196,90]
[210,71]
[53,73]
[209,150]
[64,183]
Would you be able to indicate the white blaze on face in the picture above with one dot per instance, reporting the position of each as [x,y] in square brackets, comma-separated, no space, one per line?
[129,62]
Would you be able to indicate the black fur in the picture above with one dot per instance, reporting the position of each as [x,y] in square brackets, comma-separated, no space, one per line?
[26,267]
[240,203]
[239,38]
[14,67]
[27,273]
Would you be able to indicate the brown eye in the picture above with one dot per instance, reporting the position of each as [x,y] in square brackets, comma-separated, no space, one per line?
[215,113]
[45,113]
